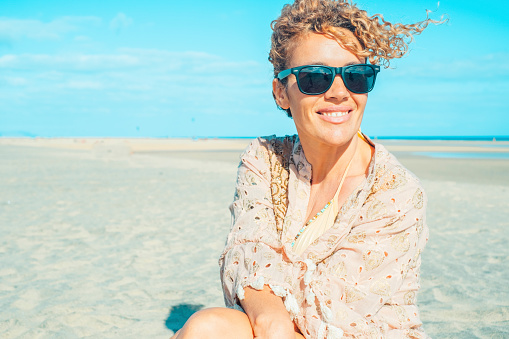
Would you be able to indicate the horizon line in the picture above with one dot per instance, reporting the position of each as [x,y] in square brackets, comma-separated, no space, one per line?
[374,137]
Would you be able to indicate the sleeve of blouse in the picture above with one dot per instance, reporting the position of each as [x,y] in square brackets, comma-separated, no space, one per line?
[253,252]
[371,284]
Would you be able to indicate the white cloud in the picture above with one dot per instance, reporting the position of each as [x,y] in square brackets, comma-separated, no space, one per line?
[15,81]
[120,22]
[131,73]
[78,62]
[15,29]
[82,38]
[93,85]
[192,65]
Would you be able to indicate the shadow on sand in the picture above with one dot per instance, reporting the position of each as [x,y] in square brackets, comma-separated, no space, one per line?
[179,315]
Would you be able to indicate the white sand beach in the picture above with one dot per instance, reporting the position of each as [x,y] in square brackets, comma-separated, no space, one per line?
[119,238]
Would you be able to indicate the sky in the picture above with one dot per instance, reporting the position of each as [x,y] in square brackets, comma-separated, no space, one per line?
[199,69]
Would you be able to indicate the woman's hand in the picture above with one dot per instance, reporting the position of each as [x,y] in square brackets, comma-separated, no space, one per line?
[273,325]
[268,315]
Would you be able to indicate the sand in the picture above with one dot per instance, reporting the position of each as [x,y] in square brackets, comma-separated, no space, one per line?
[119,238]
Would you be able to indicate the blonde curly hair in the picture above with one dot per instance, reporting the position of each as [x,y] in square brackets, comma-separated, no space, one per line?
[380,41]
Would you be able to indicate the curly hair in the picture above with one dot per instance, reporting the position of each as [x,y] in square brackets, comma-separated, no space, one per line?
[380,41]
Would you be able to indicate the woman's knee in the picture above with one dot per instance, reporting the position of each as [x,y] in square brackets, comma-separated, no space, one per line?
[205,320]
[217,323]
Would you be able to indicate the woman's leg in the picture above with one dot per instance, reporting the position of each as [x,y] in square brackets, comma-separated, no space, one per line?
[218,322]
[215,323]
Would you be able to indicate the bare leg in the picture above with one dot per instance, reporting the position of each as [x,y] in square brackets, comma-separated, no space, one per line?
[218,322]
[214,323]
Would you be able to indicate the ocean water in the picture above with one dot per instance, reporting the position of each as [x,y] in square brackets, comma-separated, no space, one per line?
[465,155]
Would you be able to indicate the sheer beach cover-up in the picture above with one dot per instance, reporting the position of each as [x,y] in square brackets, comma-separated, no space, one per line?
[357,280]
[321,222]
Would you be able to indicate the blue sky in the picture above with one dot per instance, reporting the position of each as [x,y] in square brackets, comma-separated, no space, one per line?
[199,68]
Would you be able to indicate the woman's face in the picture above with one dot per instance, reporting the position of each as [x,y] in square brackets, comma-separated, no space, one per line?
[334,117]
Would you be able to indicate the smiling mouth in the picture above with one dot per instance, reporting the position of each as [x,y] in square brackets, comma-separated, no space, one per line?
[334,114]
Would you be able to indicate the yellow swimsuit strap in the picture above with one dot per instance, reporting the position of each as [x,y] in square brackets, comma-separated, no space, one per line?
[322,221]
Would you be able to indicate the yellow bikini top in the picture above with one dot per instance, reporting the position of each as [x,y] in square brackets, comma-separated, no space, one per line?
[320,223]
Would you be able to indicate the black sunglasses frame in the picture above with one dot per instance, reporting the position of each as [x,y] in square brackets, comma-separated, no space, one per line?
[335,71]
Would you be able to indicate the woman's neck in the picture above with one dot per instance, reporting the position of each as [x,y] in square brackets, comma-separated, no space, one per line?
[331,161]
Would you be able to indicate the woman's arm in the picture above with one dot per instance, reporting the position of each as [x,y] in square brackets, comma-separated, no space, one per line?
[252,260]
[268,315]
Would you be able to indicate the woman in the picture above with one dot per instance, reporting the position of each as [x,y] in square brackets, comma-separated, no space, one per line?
[327,226]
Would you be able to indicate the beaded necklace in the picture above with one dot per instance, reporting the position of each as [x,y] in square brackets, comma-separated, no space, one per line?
[326,206]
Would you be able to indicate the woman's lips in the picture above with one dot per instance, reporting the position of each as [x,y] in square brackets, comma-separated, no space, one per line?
[335,114]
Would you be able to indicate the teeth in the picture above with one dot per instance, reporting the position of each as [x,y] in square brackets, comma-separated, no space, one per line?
[335,114]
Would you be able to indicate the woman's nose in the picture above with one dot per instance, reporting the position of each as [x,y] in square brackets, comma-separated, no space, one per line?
[338,89]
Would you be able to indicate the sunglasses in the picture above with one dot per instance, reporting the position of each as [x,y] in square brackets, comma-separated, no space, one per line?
[317,79]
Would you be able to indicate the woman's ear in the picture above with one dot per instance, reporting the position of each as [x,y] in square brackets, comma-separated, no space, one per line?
[280,95]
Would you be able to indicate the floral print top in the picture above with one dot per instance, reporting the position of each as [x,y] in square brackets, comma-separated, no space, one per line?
[357,280]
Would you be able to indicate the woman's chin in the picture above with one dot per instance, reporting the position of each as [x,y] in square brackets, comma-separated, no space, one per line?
[332,139]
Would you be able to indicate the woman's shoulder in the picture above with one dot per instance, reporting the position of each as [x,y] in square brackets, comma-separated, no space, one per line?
[390,173]
[272,144]
[393,188]
[274,141]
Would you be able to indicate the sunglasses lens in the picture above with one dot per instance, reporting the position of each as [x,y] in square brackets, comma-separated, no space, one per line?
[315,79]
[359,78]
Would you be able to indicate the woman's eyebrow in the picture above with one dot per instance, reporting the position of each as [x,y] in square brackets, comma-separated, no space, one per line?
[319,63]
[352,63]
